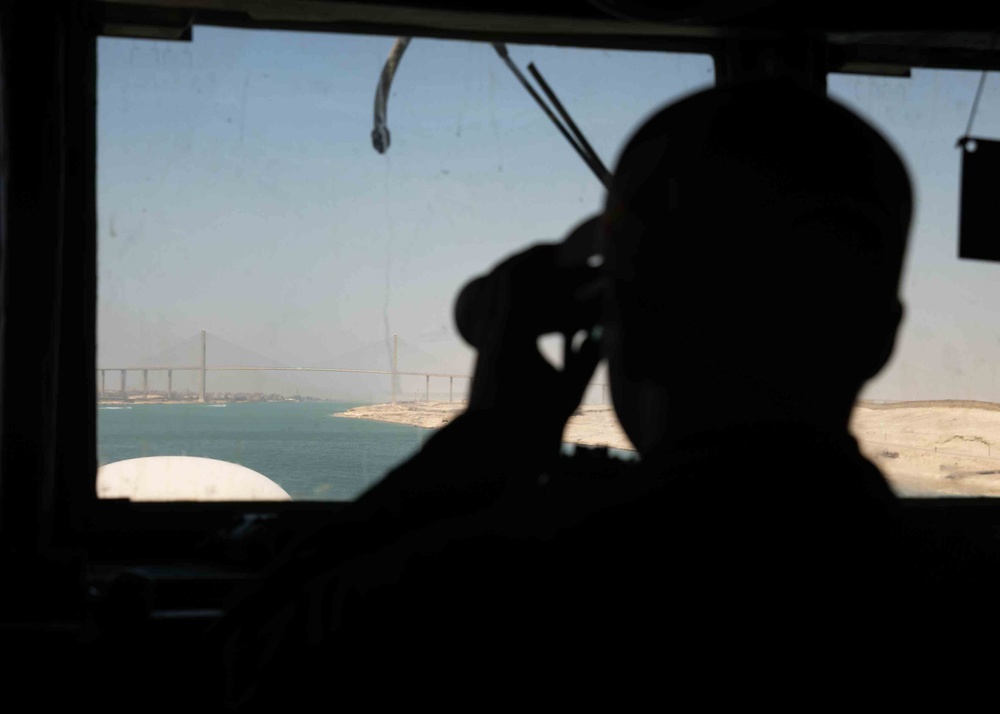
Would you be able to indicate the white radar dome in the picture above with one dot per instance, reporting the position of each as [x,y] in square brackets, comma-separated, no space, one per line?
[185,478]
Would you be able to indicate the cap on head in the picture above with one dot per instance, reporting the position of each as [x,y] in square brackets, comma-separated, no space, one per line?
[758,202]
[752,157]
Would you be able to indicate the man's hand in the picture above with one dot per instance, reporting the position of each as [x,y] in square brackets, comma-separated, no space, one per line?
[513,385]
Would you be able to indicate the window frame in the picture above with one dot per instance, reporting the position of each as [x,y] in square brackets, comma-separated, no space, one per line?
[174,528]
[44,500]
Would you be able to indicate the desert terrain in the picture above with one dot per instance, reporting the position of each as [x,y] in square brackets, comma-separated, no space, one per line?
[934,448]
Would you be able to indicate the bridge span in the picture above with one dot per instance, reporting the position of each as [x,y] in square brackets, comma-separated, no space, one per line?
[203,369]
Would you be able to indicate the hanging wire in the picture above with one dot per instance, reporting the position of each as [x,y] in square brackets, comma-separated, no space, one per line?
[380,134]
[975,102]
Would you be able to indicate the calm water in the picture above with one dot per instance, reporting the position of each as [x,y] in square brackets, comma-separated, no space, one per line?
[299,445]
[311,454]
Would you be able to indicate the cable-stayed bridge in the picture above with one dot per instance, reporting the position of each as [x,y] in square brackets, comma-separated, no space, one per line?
[191,356]
[165,362]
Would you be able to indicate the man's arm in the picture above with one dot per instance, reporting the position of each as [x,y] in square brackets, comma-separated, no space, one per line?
[518,405]
[510,432]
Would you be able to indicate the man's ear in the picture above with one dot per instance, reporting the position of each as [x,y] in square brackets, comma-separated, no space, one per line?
[887,332]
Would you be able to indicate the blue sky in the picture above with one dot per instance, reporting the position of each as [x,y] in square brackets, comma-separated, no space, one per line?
[950,343]
[239,193]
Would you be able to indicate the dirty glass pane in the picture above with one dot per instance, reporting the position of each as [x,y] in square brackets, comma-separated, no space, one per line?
[931,419]
[245,220]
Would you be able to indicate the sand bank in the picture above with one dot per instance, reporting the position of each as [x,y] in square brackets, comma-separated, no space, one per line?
[942,448]
[933,448]
[592,425]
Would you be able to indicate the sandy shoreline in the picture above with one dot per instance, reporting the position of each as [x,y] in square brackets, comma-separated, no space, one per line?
[593,425]
[940,448]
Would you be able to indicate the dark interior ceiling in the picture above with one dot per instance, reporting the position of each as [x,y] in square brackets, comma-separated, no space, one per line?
[952,35]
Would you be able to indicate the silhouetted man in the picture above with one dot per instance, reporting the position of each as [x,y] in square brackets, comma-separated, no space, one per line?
[752,242]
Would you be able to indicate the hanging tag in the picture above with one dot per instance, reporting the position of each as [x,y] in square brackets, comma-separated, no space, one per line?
[979,217]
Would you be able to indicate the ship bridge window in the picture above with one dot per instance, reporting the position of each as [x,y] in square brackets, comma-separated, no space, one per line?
[275,294]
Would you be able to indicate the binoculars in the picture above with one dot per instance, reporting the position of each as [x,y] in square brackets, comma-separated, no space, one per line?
[558,293]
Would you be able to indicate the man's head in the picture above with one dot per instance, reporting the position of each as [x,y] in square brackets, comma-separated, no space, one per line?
[755,236]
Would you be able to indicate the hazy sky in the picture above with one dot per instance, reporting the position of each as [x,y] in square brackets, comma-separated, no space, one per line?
[239,193]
